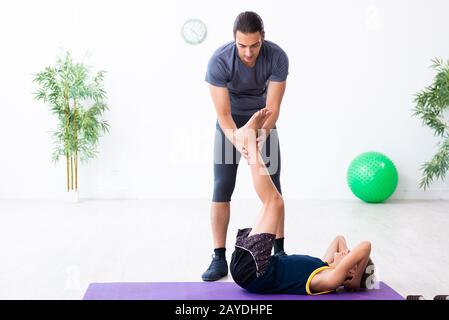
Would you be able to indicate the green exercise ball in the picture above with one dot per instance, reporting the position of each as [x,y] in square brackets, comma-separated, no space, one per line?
[372,177]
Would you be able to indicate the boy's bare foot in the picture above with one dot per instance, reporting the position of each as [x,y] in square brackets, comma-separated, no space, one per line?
[249,129]
[245,137]
[249,132]
[258,119]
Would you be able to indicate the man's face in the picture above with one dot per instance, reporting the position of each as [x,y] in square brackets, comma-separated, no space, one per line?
[248,46]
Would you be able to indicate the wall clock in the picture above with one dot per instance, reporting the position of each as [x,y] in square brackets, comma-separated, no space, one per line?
[194,31]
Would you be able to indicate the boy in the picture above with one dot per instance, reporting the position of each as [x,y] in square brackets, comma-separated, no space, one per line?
[252,265]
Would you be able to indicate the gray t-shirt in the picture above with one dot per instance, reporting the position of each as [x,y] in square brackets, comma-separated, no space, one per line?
[247,86]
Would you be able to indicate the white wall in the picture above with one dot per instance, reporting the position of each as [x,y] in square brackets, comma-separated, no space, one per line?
[354,68]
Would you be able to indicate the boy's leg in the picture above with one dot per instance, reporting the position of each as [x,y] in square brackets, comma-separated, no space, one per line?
[258,241]
[269,217]
[271,154]
[273,204]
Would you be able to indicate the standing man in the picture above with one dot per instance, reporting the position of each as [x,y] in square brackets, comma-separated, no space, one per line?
[245,76]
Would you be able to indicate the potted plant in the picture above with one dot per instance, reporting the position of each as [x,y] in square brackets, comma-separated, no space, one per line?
[78,100]
[431,103]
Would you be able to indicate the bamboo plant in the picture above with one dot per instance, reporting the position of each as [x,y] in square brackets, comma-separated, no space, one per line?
[77,98]
[431,103]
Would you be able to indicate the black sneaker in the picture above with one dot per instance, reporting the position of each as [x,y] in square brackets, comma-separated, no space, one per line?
[218,269]
[281,253]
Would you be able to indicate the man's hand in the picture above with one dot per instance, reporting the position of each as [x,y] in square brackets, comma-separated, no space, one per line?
[249,131]
[240,142]
[261,138]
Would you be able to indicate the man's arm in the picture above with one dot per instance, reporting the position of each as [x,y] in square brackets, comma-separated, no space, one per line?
[222,103]
[220,97]
[274,98]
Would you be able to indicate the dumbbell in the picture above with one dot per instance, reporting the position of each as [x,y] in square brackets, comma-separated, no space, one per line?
[420,297]
[415,297]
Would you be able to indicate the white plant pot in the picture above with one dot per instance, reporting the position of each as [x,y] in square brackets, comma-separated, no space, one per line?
[71,196]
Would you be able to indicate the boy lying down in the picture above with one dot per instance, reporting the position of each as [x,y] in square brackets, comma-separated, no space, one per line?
[254,269]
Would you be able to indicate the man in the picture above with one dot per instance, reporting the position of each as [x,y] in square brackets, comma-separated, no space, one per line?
[245,76]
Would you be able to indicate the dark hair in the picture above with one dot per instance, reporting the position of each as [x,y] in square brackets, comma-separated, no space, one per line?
[249,22]
[369,270]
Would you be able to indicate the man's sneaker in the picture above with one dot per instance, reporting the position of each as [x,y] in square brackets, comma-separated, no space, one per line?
[218,269]
[281,253]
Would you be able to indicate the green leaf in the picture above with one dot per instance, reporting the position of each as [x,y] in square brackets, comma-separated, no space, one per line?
[431,103]
[76,96]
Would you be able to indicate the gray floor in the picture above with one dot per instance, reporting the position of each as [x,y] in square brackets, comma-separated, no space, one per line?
[53,250]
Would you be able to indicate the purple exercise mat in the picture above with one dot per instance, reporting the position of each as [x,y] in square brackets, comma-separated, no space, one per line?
[216,291]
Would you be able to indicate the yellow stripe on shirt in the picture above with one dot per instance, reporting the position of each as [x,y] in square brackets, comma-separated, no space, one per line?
[309,280]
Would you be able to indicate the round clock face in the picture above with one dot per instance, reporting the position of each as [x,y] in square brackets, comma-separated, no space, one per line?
[194,31]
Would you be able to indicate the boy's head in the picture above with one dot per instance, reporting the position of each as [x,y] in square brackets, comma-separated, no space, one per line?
[368,276]
[358,279]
